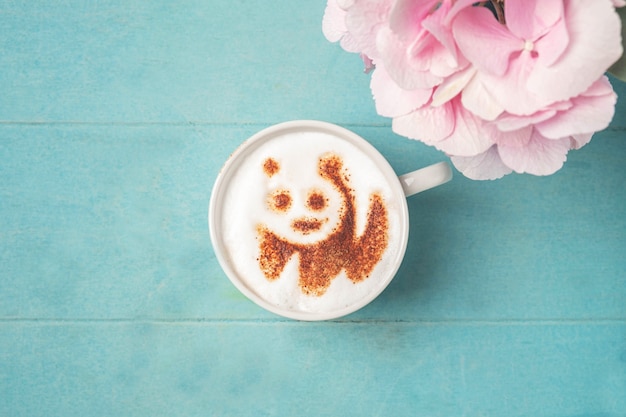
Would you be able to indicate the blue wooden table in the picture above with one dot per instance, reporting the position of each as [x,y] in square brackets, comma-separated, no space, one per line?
[115,118]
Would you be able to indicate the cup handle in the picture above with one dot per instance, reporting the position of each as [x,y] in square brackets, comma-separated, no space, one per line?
[425,178]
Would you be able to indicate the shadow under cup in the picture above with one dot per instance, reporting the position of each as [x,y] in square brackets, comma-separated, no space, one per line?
[251,235]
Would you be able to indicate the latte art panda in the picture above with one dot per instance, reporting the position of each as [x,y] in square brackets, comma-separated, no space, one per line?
[341,249]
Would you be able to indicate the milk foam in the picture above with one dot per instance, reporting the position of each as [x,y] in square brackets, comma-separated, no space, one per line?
[245,208]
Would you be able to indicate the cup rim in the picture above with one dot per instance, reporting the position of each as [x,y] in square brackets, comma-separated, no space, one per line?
[252,143]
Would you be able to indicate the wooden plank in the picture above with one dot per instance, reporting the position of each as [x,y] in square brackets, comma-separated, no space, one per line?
[194,60]
[260,369]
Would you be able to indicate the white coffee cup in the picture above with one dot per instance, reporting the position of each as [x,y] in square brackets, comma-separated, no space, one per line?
[309,221]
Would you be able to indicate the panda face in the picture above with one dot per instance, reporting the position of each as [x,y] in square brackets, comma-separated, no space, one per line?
[304,211]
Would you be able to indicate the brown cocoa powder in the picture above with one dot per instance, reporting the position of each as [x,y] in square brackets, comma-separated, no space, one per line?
[322,261]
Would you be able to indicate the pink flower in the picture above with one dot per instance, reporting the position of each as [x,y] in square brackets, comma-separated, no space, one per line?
[538,144]
[549,50]
[507,91]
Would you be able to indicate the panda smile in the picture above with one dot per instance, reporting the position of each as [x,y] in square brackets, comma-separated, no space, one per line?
[306,225]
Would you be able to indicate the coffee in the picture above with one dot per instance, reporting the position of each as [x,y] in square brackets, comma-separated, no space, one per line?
[310,222]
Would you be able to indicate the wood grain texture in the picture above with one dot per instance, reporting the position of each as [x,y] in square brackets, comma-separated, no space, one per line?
[115,120]
[260,368]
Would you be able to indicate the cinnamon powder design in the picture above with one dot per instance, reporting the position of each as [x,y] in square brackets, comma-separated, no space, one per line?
[271,166]
[322,261]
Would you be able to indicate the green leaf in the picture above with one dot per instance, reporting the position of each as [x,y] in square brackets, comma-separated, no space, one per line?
[619,68]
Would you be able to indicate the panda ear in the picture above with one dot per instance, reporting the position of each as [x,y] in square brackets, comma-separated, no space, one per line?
[330,165]
[271,167]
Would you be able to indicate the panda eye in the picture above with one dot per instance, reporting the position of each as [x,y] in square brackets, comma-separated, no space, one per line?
[316,201]
[280,200]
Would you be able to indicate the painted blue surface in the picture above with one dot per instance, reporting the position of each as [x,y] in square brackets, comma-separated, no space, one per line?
[115,119]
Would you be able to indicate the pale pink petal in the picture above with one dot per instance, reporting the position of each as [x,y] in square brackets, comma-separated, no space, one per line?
[601,87]
[457,6]
[334,26]
[406,16]
[539,156]
[427,124]
[477,99]
[364,19]
[390,99]
[437,25]
[471,135]
[452,86]
[552,46]
[516,138]
[619,3]
[578,141]
[510,122]
[507,122]
[510,92]
[442,62]
[349,44]
[528,19]
[588,114]
[594,44]
[400,65]
[346,4]
[420,51]
[474,28]
[485,166]
[333,23]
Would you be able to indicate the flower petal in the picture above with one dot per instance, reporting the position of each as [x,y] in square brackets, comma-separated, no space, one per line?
[390,99]
[588,114]
[486,166]
[578,141]
[333,23]
[477,99]
[406,16]
[456,8]
[528,19]
[552,46]
[510,91]
[471,135]
[437,25]
[407,72]
[594,44]
[539,156]
[510,122]
[474,28]
[345,4]
[452,86]
[364,19]
[516,138]
[427,124]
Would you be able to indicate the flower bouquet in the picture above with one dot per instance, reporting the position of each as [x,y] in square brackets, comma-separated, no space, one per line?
[500,86]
